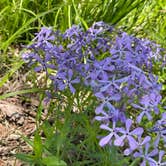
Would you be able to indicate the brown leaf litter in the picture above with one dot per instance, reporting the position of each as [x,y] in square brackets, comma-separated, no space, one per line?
[15,120]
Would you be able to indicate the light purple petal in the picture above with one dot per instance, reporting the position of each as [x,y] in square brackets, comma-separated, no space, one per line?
[153,153]
[132,142]
[140,116]
[70,74]
[146,140]
[100,95]
[137,106]
[147,148]
[163,116]
[93,75]
[100,118]
[152,163]
[77,80]
[62,86]
[105,127]
[157,140]
[116,97]
[143,163]
[161,154]
[137,154]
[119,141]
[148,115]
[99,109]
[137,131]
[128,124]
[38,68]
[128,152]
[121,130]
[105,140]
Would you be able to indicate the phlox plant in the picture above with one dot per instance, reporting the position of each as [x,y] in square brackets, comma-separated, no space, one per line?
[119,71]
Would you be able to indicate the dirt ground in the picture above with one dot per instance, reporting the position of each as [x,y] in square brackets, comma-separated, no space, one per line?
[17,118]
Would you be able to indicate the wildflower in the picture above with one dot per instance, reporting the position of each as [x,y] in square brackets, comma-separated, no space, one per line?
[140,143]
[128,135]
[147,157]
[144,111]
[159,162]
[64,80]
[113,134]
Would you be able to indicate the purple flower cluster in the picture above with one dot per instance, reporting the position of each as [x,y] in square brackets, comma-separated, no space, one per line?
[118,68]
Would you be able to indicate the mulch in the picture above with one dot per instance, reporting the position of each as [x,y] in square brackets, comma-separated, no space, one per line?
[16,119]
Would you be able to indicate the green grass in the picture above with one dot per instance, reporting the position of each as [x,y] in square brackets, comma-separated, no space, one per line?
[21,18]
[148,21]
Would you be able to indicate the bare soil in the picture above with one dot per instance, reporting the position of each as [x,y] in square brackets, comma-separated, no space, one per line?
[17,118]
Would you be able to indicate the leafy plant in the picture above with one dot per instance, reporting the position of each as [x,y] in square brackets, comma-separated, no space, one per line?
[118,70]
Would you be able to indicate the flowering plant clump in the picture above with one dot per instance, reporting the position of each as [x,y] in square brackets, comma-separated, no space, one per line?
[119,69]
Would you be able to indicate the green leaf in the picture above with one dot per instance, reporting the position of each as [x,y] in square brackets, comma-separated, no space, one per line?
[27,140]
[48,129]
[14,68]
[25,157]
[53,161]
[25,91]
[23,29]
[38,147]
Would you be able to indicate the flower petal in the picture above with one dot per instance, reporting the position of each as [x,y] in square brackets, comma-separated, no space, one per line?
[153,153]
[119,141]
[132,142]
[105,140]
[99,109]
[127,152]
[146,139]
[128,124]
[105,127]
[140,116]
[137,131]
[161,154]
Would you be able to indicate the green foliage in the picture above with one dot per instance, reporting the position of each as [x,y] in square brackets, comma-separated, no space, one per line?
[53,161]
[148,21]
[21,18]
[68,136]
[14,68]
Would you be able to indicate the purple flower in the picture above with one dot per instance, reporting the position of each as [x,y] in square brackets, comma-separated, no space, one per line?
[144,111]
[67,80]
[105,103]
[102,69]
[128,135]
[44,37]
[113,134]
[105,117]
[113,83]
[116,66]
[140,143]
[147,157]
[111,115]
[152,100]
[160,129]
[159,162]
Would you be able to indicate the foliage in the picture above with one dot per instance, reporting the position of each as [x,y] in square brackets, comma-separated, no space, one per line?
[148,21]
[21,18]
